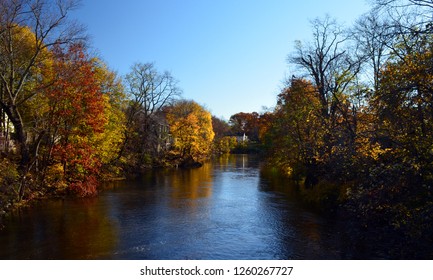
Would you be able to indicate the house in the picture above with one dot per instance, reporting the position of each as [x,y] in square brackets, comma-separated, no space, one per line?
[162,129]
[242,139]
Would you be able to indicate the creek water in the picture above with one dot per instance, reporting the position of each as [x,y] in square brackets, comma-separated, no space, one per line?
[227,209]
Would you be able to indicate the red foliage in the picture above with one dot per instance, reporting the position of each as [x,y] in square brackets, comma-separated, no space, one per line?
[77,114]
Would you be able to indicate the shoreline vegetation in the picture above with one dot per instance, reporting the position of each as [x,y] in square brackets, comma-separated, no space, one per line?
[353,126]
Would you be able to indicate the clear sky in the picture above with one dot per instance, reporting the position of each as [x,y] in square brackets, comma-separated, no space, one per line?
[228,55]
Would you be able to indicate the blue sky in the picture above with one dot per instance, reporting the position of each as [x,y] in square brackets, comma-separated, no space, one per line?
[228,55]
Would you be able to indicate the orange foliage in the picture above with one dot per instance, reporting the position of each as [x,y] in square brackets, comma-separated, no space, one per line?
[77,116]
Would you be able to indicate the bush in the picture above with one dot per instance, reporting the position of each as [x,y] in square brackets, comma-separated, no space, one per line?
[394,202]
[225,145]
[325,195]
[8,183]
[54,178]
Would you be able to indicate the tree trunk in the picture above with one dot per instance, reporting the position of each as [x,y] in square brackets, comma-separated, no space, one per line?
[21,140]
[20,134]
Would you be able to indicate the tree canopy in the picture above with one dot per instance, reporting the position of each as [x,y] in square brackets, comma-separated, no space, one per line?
[191,128]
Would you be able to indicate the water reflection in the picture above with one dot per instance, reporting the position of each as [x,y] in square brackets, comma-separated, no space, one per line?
[191,183]
[228,209]
[59,230]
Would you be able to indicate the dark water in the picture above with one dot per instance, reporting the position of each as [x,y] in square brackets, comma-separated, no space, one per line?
[225,210]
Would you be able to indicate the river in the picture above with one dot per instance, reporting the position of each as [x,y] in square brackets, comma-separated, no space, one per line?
[227,209]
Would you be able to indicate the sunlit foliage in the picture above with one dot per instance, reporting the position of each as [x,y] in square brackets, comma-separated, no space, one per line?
[191,129]
[76,118]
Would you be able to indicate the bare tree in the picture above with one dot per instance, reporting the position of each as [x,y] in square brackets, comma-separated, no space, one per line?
[331,62]
[149,91]
[375,38]
[408,16]
[330,66]
[28,29]
[404,3]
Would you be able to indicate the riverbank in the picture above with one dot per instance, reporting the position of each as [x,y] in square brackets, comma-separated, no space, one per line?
[9,203]
[9,207]
[58,189]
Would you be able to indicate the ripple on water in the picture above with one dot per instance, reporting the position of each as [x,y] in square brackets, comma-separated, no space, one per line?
[224,211]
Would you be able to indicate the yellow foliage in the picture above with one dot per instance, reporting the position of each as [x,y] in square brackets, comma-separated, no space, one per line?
[191,128]
[54,177]
[370,150]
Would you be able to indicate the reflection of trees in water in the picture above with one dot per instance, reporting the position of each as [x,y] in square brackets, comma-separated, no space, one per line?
[300,234]
[192,183]
[84,230]
[228,161]
[90,232]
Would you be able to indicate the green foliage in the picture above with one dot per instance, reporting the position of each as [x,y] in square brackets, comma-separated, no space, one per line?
[295,136]
[8,179]
[225,145]
[325,195]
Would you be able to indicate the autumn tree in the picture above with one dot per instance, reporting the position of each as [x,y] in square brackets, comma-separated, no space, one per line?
[245,123]
[295,137]
[110,142]
[332,63]
[393,187]
[28,28]
[223,142]
[265,124]
[391,195]
[404,104]
[220,127]
[77,117]
[191,128]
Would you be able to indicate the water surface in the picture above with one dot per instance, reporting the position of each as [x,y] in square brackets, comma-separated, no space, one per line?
[226,209]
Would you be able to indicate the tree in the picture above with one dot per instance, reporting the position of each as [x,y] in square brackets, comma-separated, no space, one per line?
[393,191]
[149,92]
[405,105]
[245,123]
[398,9]
[220,127]
[333,71]
[223,143]
[28,29]
[322,60]
[266,121]
[191,128]
[110,142]
[296,135]
[375,37]
[77,117]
